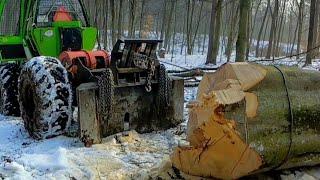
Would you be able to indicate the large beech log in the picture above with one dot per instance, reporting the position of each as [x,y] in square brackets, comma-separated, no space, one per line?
[241,122]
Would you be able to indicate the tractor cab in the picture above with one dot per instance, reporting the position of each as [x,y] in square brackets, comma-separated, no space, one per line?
[60,25]
[59,11]
[53,66]
[45,28]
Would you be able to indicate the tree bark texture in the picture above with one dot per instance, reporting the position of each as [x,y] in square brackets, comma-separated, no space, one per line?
[210,59]
[132,14]
[242,42]
[312,31]
[273,29]
[261,28]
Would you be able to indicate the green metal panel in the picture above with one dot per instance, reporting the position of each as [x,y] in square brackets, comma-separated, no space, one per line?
[10,40]
[89,38]
[47,41]
[67,24]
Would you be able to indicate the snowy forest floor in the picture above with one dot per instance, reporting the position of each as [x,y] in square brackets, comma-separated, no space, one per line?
[123,156]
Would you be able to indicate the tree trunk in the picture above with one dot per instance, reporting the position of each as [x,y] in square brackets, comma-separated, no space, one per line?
[249,31]
[143,2]
[210,55]
[261,28]
[263,51]
[174,33]
[312,31]
[190,11]
[242,33]
[105,26]
[113,23]
[197,25]
[204,38]
[300,24]
[294,40]
[290,32]
[247,119]
[120,30]
[280,25]
[164,10]
[231,31]
[132,10]
[183,34]
[273,29]
[216,44]
[168,26]
[253,24]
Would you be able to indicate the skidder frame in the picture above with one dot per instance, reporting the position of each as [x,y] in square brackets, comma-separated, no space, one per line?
[51,54]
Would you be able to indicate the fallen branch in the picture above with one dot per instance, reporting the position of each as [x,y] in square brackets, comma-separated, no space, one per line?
[193,69]
[192,73]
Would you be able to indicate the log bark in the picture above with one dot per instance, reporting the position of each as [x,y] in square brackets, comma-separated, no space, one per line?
[250,118]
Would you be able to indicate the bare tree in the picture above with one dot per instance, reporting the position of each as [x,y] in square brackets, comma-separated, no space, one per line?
[242,42]
[233,20]
[300,24]
[168,25]
[262,28]
[216,44]
[210,59]
[120,30]
[143,2]
[273,29]
[313,23]
[113,17]
[164,10]
[132,14]
[190,11]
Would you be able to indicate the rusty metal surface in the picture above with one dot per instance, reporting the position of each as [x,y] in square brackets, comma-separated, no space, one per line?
[134,108]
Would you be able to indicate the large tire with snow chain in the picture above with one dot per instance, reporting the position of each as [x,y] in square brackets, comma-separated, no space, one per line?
[9,74]
[163,94]
[45,97]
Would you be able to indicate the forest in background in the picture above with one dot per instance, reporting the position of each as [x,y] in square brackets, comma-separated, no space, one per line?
[260,28]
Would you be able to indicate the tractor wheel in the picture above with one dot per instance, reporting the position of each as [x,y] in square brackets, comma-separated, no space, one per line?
[45,97]
[163,87]
[106,92]
[9,75]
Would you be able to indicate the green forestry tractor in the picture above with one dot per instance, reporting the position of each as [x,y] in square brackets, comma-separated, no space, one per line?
[49,66]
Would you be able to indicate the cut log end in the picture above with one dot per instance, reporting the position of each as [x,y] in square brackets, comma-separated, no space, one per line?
[241,115]
[216,148]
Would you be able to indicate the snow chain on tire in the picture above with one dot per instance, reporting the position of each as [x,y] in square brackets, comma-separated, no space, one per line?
[9,74]
[45,97]
[106,94]
[163,87]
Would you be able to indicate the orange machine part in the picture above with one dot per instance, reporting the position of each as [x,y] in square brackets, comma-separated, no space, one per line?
[62,15]
[90,59]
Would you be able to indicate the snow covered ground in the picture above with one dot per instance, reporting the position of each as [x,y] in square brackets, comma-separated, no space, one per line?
[122,156]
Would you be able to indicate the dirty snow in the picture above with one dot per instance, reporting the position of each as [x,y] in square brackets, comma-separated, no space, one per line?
[123,156]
